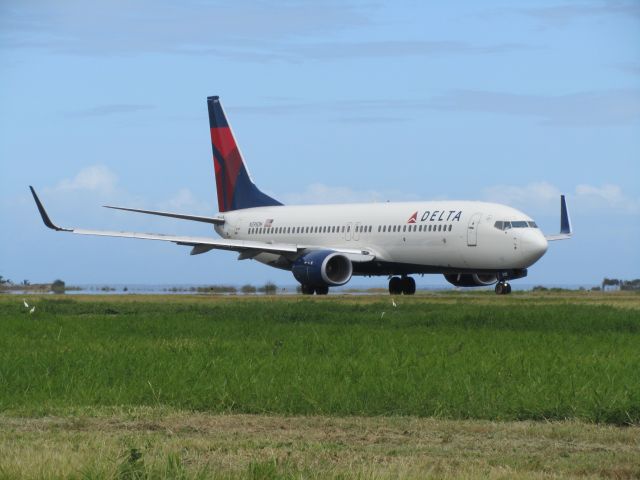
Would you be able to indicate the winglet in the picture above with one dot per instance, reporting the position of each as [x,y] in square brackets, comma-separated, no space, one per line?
[565,221]
[43,213]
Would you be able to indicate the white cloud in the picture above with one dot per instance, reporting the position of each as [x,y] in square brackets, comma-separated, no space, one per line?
[544,196]
[100,183]
[610,107]
[537,193]
[562,14]
[98,178]
[318,193]
[184,201]
[112,109]
[191,26]
[608,195]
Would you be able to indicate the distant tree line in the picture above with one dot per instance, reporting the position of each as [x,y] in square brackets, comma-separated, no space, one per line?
[57,286]
[268,288]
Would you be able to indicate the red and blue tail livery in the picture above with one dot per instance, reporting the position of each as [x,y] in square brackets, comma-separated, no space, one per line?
[235,188]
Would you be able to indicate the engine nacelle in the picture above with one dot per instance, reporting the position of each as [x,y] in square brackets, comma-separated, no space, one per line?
[471,279]
[322,268]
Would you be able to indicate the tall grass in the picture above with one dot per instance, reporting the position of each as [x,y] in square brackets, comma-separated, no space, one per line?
[299,356]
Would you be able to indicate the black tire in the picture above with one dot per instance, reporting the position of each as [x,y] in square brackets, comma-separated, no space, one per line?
[322,290]
[500,288]
[306,289]
[508,289]
[408,286]
[395,286]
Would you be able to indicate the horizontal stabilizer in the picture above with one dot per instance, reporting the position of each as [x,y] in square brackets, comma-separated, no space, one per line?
[194,218]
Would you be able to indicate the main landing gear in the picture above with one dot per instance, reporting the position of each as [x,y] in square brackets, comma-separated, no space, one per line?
[503,288]
[402,285]
[310,290]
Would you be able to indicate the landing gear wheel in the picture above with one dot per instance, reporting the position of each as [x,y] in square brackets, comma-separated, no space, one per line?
[322,290]
[408,285]
[306,289]
[503,288]
[395,286]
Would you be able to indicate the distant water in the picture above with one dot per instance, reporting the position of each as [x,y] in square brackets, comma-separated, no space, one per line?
[194,289]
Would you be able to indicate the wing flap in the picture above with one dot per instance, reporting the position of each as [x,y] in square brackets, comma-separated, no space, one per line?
[200,242]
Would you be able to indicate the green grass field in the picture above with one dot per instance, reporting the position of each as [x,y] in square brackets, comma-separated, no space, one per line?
[451,385]
[448,356]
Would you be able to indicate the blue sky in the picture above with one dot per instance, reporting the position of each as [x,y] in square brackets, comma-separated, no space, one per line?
[516,102]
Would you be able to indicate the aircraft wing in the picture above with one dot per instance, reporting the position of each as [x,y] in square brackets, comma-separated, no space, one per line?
[247,248]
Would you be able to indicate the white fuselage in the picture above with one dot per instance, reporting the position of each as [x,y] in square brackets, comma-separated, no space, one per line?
[441,236]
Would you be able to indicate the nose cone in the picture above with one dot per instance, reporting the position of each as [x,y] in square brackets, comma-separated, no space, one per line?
[534,246]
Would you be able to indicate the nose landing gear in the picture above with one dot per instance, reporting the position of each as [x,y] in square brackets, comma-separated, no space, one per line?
[402,285]
[503,288]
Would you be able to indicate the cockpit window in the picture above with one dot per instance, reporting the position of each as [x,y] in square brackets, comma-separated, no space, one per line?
[506,225]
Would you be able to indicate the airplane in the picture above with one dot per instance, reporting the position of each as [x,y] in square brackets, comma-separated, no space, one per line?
[471,243]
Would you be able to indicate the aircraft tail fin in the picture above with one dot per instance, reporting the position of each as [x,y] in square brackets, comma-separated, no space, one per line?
[235,187]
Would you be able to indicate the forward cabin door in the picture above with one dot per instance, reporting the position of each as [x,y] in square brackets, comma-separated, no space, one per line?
[472,229]
[356,231]
[347,233]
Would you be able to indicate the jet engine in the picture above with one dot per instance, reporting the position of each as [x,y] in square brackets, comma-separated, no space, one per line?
[471,279]
[322,268]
